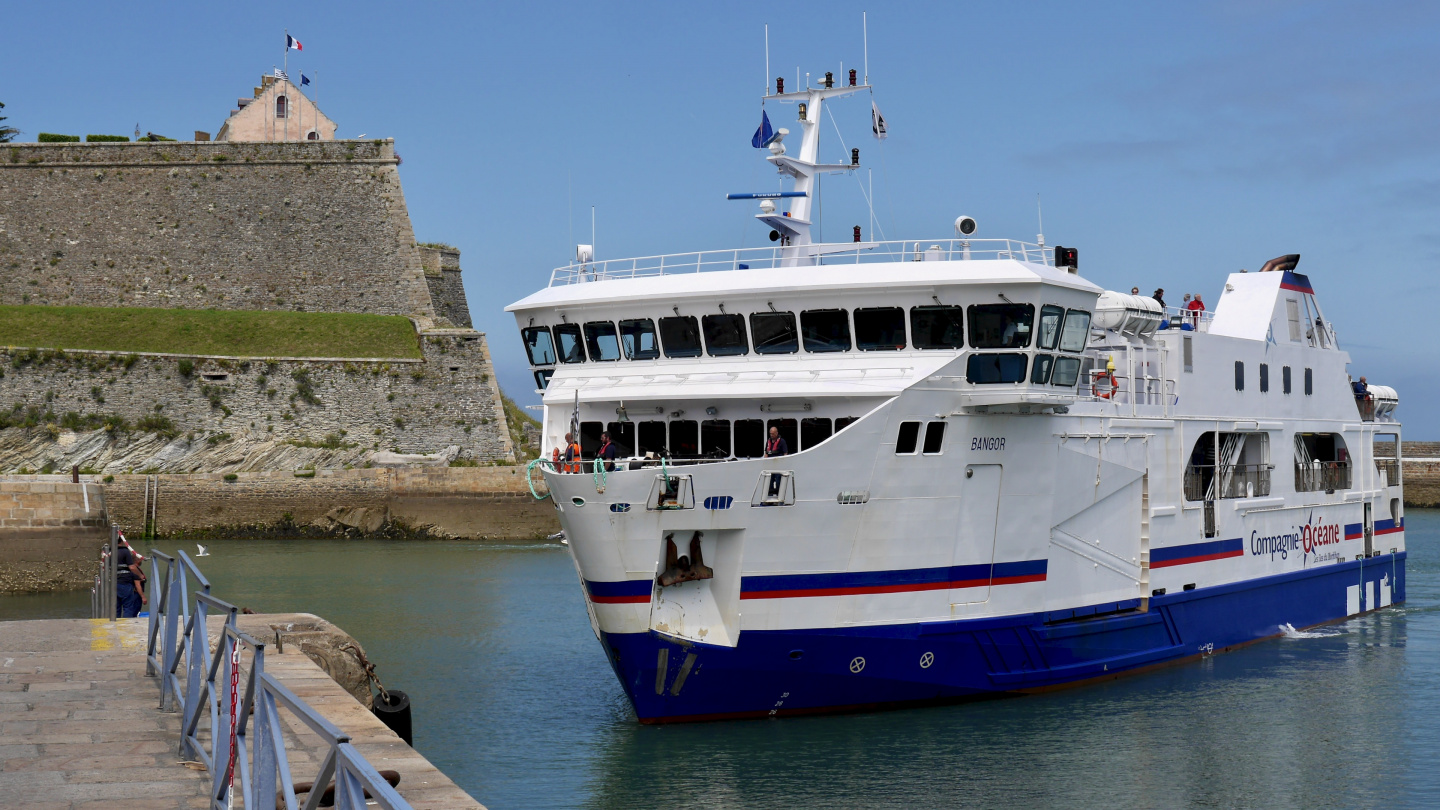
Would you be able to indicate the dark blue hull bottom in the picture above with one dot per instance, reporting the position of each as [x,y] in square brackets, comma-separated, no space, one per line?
[813,671]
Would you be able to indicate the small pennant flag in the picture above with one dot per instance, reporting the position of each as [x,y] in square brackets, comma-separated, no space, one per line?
[292,43]
[764,134]
[280,74]
[304,80]
[877,123]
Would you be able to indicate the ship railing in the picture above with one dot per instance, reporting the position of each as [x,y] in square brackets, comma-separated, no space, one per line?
[1205,482]
[1366,406]
[1389,470]
[1322,476]
[239,736]
[802,256]
[1187,320]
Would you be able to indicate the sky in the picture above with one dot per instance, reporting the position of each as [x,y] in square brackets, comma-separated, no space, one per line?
[1171,143]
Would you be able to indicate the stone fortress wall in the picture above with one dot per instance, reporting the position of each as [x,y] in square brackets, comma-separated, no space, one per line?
[316,226]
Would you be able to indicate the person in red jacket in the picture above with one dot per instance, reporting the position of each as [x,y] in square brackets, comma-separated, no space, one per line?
[1196,306]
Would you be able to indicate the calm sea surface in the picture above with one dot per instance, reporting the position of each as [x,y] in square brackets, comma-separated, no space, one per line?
[514,700]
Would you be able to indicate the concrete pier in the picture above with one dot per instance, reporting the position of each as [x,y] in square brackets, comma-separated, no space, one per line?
[80,725]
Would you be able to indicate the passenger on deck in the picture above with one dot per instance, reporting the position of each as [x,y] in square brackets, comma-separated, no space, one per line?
[776,446]
[1196,307]
[1361,388]
[1134,290]
[608,451]
[1159,296]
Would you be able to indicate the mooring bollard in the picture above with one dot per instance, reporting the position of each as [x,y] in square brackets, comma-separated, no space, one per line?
[393,709]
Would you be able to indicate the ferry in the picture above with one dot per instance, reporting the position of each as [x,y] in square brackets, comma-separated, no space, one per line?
[868,474]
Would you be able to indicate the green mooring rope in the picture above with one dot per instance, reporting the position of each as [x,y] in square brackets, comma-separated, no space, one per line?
[530,480]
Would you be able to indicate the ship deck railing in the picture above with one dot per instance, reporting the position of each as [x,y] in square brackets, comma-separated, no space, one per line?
[1322,476]
[836,253]
[1235,481]
[1187,320]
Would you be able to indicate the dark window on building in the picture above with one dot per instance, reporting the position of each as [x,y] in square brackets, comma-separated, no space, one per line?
[825,330]
[937,327]
[282,105]
[590,438]
[774,333]
[715,438]
[1040,370]
[680,336]
[986,369]
[1309,382]
[622,435]
[1239,375]
[1264,378]
[1001,326]
[934,438]
[1077,328]
[908,438]
[789,431]
[601,342]
[1048,336]
[813,431]
[538,345]
[725,335]
[1066,372]
[684,438]
[880,329]
[749,438]
[652,438]
[313,136]
[542,377]
[1285,379]
[844,422]
[637,338]
[567,340]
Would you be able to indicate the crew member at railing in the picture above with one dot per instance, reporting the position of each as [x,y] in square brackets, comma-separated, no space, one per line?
[776,446]
[129,580]
[572,454]
[608,451]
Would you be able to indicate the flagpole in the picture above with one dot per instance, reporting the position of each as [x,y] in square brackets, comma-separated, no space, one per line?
[285,70]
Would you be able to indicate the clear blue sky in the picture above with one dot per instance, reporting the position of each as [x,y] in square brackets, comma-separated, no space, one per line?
[1172,143]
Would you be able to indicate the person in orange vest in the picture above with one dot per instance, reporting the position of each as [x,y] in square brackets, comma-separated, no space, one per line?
[572,454]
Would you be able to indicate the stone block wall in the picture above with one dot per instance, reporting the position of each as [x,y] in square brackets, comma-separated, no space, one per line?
[314,226]
[447,292]
[450,397]
[50,534]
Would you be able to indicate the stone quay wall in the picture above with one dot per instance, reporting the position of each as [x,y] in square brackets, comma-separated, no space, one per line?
[450,397]
[50,534]
[305,225]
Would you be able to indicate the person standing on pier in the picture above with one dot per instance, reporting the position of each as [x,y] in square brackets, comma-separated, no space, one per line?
[129,581]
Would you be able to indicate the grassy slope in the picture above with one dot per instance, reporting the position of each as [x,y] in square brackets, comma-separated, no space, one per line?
[209,331]
[517,419]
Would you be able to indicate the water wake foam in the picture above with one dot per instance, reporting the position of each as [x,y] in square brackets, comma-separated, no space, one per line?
[1289,631]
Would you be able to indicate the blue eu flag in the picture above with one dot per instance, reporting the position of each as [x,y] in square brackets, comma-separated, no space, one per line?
[764,134]
[304,80]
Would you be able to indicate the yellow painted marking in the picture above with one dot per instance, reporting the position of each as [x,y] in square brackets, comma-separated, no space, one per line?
[100,639]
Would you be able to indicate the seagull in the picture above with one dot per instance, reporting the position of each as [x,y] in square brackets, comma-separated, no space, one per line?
[202,552]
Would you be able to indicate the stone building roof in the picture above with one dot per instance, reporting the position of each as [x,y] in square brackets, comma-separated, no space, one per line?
[277,112]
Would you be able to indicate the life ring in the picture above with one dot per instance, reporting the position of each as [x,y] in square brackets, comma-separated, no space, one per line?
[1107,377]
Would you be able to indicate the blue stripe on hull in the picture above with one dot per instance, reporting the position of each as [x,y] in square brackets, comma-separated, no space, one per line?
[840,669]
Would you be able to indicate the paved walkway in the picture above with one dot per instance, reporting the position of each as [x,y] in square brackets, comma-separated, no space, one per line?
[80,725]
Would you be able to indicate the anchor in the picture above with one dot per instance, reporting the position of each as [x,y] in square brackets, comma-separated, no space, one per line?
[681,568]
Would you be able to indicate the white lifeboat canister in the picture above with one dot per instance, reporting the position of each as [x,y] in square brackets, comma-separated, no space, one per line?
[1128,314]
[1386,401]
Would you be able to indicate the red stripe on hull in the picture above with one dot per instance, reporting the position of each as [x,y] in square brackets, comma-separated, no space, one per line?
[898,588]
[620,600]
[1202,558]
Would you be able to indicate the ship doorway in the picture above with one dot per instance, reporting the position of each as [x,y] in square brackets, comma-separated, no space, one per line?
[974,555]
[1369,529]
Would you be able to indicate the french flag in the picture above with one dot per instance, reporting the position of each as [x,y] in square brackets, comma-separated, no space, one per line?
[292,43]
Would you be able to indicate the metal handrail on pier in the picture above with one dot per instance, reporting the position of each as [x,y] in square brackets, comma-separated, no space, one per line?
[246,743]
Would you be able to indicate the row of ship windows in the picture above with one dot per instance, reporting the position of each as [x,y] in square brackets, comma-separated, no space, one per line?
[1265,378]
[992,326]
[711,438]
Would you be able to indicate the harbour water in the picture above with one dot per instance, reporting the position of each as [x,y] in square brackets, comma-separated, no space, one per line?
[515,702]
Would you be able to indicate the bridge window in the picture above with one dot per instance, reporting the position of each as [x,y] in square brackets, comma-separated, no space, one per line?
[637,337]
[908,438]
[987,369]
[1077,329]
[1001,326]
[749,438]
[652,438]
[1309,382]
[601,341]
[715,438]
[684,438]
[1386,452]
[1067,371]
[1322,462]
[622,435]
[1040,370]
[725,335]
[281,106]
[567,338]
[934,438]
[844,422]
[774,333]
[680,336]
[1049,333]
[1285,379]
[880,329]
[1228,465]
[539,345]
[1264,378]
[825,330]
[542,378]
[937,327]
[1239,375]
[813,431]
[788,431]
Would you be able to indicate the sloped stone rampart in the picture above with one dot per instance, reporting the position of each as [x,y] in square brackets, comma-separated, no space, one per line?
[314,226]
